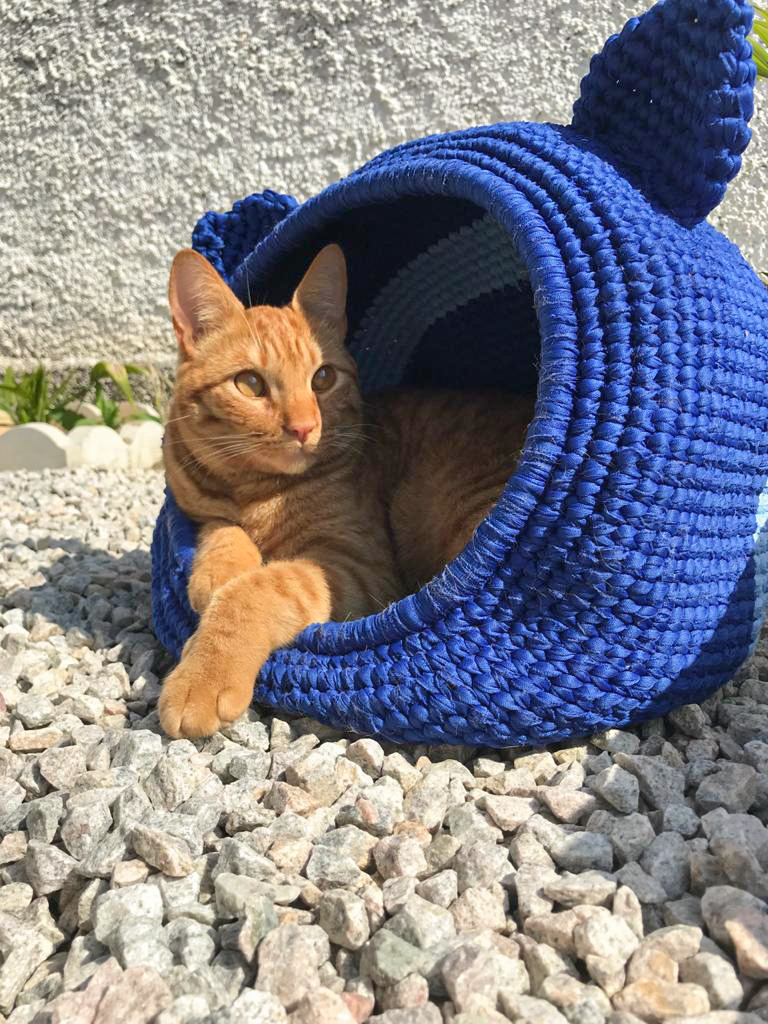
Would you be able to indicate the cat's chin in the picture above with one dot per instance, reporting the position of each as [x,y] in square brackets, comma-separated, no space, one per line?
[292,463]
[299,466]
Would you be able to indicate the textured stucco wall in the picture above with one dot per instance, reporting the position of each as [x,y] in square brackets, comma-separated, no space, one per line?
[122,120]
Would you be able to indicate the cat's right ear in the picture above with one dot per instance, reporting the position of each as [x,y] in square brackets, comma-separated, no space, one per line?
[199,299]
[322,293]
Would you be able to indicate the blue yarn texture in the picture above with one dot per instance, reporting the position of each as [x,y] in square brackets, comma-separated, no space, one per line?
[624,570]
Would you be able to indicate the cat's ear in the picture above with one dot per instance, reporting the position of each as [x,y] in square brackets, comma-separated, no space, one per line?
[199,299]
[322,294]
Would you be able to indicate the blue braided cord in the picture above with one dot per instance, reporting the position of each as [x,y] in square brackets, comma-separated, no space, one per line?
[624,570]
[172,553]
[226,238]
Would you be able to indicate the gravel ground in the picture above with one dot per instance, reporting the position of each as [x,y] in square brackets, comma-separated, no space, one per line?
[281,872]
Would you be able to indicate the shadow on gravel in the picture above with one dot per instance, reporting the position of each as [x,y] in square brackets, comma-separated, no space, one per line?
[100,600]
[89,588]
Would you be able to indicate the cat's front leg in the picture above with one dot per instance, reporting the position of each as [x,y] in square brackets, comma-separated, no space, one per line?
[224,552]
[245,620]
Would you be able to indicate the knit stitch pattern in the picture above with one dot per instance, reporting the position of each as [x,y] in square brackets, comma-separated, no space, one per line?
[624,571]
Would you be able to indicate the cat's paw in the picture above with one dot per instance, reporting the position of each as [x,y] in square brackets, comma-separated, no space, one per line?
[208,578]
[193,704]
[200,589]
[225,553]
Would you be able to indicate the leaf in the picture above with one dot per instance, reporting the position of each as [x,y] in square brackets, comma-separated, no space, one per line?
[760,57]
[41,394]
[117,373]
[110,413]
[102,371]
[137,370]
[32,397]
[760,37]
[141,415]
[64,394]
[69,419]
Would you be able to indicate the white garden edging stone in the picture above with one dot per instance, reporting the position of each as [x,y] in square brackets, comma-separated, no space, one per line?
[98,447]
[33,446]
[145,443]
[87,410]
[137,445]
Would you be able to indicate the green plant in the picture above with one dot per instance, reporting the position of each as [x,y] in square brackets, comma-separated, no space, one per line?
[759,40]
[31,398]
[109,411]
[161,389]
[119,374]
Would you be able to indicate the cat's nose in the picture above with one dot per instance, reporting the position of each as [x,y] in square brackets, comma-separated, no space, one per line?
[300,431]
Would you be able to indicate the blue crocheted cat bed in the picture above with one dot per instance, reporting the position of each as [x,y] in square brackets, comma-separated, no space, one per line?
[625,569]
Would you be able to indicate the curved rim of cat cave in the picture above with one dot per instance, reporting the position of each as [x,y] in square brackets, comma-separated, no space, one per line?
[519,206]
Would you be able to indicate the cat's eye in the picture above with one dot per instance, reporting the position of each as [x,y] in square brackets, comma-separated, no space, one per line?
[250,384]
[324,378]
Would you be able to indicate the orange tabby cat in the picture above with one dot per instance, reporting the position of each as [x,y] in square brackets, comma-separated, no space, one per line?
[314,505]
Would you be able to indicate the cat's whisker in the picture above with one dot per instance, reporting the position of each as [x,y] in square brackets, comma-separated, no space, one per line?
[199,447]
[343,438]
[343,447]
[212,450]
[206,452]
[176,419]
[351,431]
[222,455]
[219,453]
[352,444]
[250,304]
[254,337]
[358,426]
[345,432]
[225,437]
[233,455]
[377,600]
[235,437]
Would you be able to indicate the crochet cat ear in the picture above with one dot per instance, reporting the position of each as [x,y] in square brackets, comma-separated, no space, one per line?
[225,239]
[671,95]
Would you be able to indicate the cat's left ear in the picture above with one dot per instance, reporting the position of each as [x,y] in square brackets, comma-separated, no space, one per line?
[199,298]
[322,294]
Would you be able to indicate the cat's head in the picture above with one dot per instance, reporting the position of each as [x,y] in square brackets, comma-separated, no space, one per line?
[264,389]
